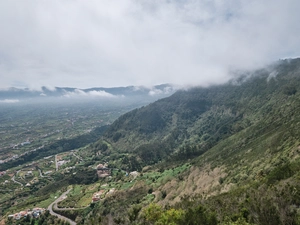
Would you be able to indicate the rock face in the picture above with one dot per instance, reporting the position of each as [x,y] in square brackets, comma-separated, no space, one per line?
[134,174]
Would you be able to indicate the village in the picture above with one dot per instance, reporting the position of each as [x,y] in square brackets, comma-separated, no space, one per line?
[30,175]
[35,213]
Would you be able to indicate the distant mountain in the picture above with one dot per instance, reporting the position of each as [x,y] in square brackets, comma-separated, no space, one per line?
[130,91]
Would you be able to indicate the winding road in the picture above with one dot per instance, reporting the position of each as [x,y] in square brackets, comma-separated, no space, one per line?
[13,179]
[41,173]
[54,205]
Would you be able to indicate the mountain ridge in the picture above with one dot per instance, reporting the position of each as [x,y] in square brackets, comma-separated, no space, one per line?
[159,90]
[203,114]
[241,143]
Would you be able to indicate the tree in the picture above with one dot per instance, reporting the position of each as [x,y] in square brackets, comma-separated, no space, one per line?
[171,217]
[152,213]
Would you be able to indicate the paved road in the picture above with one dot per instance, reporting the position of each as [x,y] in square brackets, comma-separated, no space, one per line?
[54,205]
[13,179]
[56,164]
[41,173]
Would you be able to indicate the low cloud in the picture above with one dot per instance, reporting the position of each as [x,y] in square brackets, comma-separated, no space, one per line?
[100,94]
[80,93]
[273,74]
[9,101]
[165,91]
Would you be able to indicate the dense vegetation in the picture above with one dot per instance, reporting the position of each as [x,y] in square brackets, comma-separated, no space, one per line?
[190,122]
[247,128]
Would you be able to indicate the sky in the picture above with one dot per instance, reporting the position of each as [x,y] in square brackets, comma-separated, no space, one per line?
[79,43]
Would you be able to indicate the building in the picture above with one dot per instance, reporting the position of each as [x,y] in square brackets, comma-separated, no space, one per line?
[103,171]
[25,143]
[62,162]
[2,173]
[36,212]
[97,196]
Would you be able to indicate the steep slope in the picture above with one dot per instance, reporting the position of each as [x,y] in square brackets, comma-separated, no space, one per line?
[226,154]
[190,122]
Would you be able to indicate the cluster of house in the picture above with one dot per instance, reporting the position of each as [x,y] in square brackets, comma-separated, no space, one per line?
[50,133]
[103,170]
[2,173]
[20,144]
[97,196]
[35,212]
[28,173]
[101,194]
[25,143]
[17,156]
[9,159]
[62,162]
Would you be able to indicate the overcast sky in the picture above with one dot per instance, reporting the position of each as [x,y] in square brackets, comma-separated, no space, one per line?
[82,44]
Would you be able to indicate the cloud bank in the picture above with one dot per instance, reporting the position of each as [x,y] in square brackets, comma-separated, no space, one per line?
[9,101]
[140,42]
[165,91]
[79,93]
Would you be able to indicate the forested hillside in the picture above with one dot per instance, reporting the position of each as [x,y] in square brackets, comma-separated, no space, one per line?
[240,140]
[192,121]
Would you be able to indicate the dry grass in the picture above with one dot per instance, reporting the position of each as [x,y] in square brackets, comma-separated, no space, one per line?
[199,181]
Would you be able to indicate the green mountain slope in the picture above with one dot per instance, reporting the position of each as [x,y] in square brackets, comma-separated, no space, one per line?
[241,142]
[190,122]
